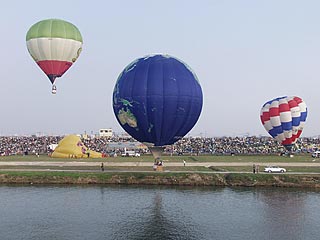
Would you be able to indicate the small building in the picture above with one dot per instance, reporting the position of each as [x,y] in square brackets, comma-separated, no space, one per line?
[105,132]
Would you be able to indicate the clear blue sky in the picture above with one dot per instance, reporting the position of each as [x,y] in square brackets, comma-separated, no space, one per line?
[243,52]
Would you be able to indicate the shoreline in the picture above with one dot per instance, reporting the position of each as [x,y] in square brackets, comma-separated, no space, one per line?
[163,178]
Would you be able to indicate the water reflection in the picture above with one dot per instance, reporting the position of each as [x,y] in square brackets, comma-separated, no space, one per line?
[155,221]
[284,212]
[139,212]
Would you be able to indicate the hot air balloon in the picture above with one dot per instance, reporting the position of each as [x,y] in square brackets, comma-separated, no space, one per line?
[284,119]
[54,45]
[71,146]
[157,99]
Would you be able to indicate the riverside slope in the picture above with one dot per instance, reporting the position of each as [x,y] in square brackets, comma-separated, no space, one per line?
[186,178]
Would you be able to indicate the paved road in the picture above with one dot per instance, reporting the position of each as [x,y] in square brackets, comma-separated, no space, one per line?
[147,164]
[54,166]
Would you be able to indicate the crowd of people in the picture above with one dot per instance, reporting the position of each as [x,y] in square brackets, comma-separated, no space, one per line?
[242,145]
[12,145]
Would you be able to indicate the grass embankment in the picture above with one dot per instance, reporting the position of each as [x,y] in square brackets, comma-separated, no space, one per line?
[162,178]
[173,175]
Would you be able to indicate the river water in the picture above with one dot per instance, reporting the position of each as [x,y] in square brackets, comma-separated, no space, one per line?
[140,212]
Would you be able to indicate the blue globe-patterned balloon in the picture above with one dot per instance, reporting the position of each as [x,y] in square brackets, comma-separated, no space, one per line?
[157,99]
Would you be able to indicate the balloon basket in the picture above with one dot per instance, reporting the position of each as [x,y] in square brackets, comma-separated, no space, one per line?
[54,89]
[157,168]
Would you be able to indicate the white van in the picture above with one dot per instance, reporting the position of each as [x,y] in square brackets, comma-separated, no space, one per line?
[130,154]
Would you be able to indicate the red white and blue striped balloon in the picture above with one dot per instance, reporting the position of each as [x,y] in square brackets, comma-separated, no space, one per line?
[284,119]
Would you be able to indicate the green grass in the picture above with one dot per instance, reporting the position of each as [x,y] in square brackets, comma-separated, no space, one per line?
[249,177]
[244,169]
[160,178]
[108,168]
[104,175]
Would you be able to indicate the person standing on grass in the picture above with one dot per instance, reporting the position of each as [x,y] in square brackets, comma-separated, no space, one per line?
[254,168]
[184,163]
[102,167]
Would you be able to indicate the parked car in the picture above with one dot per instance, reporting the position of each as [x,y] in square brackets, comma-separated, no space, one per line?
[274,169]
[316,154]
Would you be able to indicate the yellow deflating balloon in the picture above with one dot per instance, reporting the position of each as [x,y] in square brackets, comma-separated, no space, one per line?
[71,146]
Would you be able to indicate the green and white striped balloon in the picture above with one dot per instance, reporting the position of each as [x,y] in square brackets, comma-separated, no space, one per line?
[54,45]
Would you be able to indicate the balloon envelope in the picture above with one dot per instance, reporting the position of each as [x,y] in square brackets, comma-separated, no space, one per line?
[157,99]
[284,119]
[54,45]
[71,146]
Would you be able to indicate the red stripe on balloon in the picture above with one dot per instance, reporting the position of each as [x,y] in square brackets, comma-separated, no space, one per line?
[54,67]
[264,117]
[292,103]
[274,111]
[299,133]
[298,100]
[284,107]
[287,141]
[294,137]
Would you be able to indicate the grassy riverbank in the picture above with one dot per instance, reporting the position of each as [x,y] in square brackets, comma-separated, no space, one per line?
[302,171]
[163,178]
